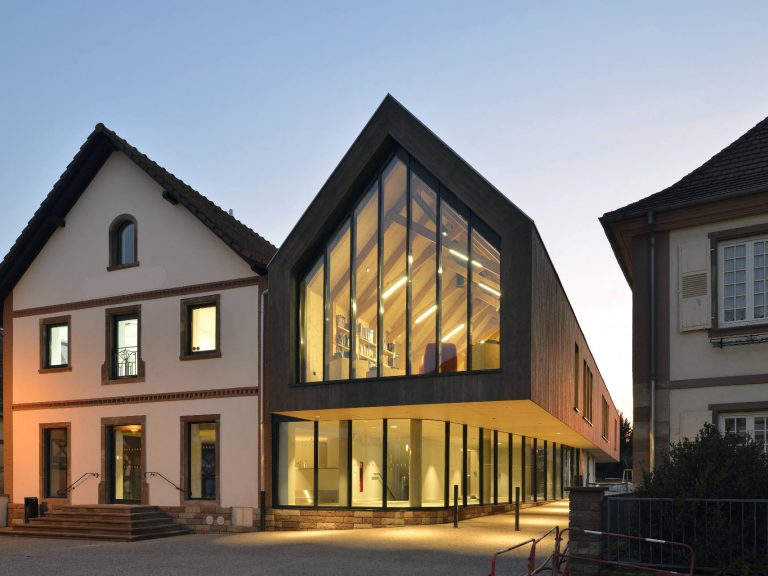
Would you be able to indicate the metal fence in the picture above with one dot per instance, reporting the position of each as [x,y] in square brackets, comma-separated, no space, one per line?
[720,531]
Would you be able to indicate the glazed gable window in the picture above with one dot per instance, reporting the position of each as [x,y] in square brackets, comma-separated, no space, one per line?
[409,283]
[742,287]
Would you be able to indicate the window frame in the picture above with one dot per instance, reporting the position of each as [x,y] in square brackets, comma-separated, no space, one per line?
[719,239]
[186,306]
[750,423]
[45,427]
[750,320]
[111,316]
[185,460]
[114,243]
[45,325]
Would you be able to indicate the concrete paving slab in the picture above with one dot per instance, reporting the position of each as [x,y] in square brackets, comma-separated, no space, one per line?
[403,551]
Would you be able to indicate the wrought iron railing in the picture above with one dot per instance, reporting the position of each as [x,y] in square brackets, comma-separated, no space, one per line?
[149,475]
[76,483]
[125,362]
[720,531]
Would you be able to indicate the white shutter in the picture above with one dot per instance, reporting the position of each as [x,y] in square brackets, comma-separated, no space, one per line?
[693,289]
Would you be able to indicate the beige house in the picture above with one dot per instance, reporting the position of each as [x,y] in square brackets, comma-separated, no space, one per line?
[696,257]
[132,372]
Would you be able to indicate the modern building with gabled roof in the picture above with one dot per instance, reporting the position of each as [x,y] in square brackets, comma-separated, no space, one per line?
[132,358]
[694,255]
[419,339]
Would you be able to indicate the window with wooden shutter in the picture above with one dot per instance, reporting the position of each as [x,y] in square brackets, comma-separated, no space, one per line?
[694,300]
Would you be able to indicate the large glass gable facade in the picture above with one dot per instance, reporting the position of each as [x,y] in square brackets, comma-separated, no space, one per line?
[409,284]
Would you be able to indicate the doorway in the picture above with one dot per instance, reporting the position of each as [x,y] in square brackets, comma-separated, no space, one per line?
[125,463]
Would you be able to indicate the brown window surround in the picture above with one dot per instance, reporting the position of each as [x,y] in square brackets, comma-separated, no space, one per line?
[114,243]
[64,499]
[107,423]
[186,421]
[44,327]
[723,236]
[185,324]
[107,373]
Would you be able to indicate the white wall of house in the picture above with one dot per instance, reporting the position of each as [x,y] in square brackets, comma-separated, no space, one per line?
[693,357]
[174,250]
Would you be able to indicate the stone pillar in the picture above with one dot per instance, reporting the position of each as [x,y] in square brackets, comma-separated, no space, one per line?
[586,513]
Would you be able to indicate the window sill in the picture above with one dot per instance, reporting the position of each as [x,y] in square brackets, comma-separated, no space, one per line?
[742,330]
[199,356]
[114,267]
[587,420]
[576,409]
[54,369]
[126,380]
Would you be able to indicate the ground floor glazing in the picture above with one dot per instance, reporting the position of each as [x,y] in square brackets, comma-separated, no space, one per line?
[409,463]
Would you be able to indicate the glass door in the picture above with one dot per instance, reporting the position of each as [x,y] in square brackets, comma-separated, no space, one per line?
[125,458]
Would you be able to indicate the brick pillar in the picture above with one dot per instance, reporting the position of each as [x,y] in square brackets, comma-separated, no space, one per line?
[585,512]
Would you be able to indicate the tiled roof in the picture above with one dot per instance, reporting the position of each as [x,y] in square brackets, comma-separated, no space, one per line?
[250,246]
[739,169]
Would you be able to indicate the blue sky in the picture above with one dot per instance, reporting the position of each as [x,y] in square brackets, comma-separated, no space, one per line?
[570,108]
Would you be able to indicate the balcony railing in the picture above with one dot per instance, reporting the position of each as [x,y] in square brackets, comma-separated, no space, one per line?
[125,362]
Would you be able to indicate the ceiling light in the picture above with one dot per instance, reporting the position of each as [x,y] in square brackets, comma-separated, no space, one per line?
[429,311]
[453,332]
[392,289]
[489,289]
[464,257]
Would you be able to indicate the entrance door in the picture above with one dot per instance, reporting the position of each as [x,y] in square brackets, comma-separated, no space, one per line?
[126,475]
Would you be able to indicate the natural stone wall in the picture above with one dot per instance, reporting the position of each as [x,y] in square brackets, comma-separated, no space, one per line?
[209,519]
[345,519]
[585,513]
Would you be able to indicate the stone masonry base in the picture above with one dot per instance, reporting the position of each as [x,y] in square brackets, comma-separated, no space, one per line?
[345,519]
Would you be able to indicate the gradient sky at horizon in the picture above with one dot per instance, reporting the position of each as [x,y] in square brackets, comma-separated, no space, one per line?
[571,109]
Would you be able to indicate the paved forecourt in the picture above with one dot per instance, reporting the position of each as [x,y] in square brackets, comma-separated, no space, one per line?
[439,549]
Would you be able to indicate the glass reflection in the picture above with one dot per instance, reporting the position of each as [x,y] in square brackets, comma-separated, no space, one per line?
[488,458]
[332,459]
[296,458]
[502,468]
[486,298]
[473,465]
[367,463]
[366,285]
[456,462]
[394,215]
[312,323]
[402,439]
[339,339]
[432,457]
[453,291]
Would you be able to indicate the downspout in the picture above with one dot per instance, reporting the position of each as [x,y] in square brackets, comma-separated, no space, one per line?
[262,348]
[652,367]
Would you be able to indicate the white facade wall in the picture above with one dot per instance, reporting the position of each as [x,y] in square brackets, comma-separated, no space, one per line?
[693,357]
[175,250]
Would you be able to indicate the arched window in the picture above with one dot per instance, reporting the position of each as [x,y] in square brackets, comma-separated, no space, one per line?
[122,242]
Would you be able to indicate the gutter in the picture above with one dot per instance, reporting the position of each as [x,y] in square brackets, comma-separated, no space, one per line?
[262,348]
[652,366]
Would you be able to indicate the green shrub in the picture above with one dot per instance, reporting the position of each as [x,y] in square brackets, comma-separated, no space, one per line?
[713,465]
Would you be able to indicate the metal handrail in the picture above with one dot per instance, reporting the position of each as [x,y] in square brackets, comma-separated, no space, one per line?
[77,483]
[158,474]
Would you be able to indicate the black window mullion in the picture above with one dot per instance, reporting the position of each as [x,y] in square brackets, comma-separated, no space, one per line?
[380,257]
[316,472]
[482,465]
[326,314]
[352,296]
[522,466]
[511,452]
[535,470]
[408,270]
[495,466]
[384,475]
[439,290]
[448,487]
[464,482]
[546,475]
[469,293]
[349,463]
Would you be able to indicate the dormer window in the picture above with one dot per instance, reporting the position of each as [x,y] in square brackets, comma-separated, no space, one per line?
[122,242]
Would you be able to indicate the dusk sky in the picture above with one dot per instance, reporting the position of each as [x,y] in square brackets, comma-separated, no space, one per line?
[571,109]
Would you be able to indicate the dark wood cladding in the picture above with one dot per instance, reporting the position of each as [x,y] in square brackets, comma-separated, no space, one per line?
[555,332]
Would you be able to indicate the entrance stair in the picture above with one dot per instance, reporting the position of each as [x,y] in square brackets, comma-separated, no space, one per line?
[120,522]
